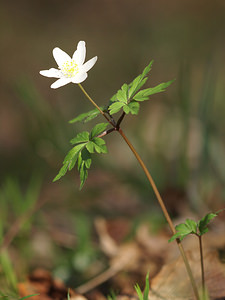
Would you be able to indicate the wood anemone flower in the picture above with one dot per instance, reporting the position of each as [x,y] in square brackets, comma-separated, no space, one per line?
[70,69]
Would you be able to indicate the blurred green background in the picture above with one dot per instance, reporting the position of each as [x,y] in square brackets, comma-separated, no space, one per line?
[180,134]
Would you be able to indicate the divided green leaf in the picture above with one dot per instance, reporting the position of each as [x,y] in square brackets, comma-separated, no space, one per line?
[202,224]
[70,160]
[191,227]
[85,144]
[144,94]
[139,81]
[99,128]
[115,107]
[127,97]
[82,137]
[134,107]
[184,229]
[85,117]
[122,95]
[99,145]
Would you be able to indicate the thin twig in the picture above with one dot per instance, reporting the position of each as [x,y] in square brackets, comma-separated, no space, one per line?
[96,281]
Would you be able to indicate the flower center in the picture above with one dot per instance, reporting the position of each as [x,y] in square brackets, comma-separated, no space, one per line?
[69,69]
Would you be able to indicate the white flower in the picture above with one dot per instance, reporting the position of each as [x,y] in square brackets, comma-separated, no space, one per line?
[70,69]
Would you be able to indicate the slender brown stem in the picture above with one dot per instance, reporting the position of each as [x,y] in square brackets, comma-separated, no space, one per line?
[202,264]
[165,212]
[120,120]
[93,102]
[151,181]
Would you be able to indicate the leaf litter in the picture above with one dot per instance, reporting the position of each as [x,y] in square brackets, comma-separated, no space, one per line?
[130,261]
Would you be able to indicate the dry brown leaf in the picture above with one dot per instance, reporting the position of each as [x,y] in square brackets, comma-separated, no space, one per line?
[172,283]
[41,282]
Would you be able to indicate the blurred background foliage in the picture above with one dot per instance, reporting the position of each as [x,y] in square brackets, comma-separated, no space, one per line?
[180,134]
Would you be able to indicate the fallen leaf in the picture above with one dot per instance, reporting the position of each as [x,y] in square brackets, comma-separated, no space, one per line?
[172,282]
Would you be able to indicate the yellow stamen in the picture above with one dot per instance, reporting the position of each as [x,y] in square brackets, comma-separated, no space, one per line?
[69,68]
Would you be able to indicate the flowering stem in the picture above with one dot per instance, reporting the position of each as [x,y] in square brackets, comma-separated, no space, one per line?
[202,265]
[93,102]
[117,128]
[165,212]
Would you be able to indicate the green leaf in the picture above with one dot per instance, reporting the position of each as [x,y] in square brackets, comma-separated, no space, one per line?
[144,94]
[147,69]
[99,145]
[115,107]
[174,237]
[69,161]
[61,173]
[134,107]
[183,228]
[145,294]
[99,128]
[113,99]
[81,137]
[84,163]
[147,287]
[83,175]
[72,153]
[203,231]
[139,81]
[85,117]
[80,153]
[126,109]
[182,231]
[192,225]
[202,224]
[84,157]
[90,147]
[98,141]
[138,291]
[123,93]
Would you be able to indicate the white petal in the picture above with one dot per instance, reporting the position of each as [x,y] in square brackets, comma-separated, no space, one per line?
[60,56]
[51,73]
[80,77]
[89,64]
[80,54]
[60,82]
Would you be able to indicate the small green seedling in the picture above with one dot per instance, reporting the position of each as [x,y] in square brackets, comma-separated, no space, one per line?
[191,227]
[68,294]
[112,295]
[144,295]
[198,228]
